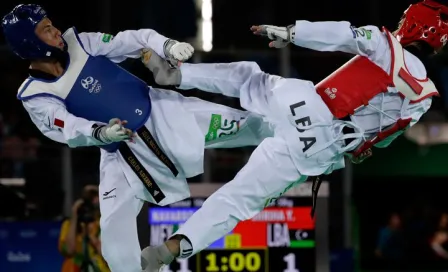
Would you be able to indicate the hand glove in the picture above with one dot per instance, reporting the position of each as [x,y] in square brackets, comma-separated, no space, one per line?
[164,73]
[179,51]
[280,36]
[113,132]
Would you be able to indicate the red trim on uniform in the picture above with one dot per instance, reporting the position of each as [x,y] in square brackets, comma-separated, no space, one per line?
[435,93]
[410,80]
[392,52]
[401,124]
[426,79]
[406,70]
[59,123]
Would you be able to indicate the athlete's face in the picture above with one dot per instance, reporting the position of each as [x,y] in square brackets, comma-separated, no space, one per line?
[49,34]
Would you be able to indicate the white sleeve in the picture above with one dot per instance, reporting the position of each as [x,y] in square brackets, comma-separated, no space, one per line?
[126,44]
[339,36]
[244,80]
[54,121]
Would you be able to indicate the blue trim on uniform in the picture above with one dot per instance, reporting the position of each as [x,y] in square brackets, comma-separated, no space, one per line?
[42,95]
[19,95]
[79,40]
[30,79]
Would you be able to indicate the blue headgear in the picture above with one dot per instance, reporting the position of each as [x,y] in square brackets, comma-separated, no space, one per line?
[19,27]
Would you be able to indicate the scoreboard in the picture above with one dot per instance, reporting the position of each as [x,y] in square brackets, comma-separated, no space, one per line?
[281,238]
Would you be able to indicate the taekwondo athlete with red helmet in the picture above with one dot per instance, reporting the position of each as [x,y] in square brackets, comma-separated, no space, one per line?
[367,102]
[76,94]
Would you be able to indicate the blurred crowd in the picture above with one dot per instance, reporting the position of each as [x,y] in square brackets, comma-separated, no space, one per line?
[413,240]
[19,143]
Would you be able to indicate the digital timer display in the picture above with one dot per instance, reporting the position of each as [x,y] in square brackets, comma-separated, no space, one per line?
[279,239]
[235,260]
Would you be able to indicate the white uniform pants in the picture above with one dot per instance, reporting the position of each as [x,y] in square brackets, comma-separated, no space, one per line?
[119,204]
[267,174]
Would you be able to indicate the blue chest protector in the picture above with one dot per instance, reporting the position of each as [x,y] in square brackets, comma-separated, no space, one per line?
[95,88]
[103,91]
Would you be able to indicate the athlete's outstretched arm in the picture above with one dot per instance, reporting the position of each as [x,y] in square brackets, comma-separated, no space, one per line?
[338,36]
[55,122]
[326,36]
[129,43]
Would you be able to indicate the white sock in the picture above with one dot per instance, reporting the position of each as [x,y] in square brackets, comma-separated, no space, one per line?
[186,249]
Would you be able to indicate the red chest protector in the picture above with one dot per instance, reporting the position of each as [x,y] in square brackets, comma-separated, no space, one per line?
[359,80]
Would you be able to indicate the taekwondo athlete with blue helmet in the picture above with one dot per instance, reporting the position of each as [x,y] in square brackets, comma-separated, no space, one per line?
[151,139]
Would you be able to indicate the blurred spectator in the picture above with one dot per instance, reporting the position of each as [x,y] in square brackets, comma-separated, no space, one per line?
[439,241]
[443,222]
[390,246]
[79,240]
[12,156]
[17,149]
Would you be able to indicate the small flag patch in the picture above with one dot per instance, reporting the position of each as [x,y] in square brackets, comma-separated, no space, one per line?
[58,122]
[107,38]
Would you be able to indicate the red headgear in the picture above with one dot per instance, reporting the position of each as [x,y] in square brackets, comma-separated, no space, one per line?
[425,21]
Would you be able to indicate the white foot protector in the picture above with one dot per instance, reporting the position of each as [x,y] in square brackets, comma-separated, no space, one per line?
[155,258]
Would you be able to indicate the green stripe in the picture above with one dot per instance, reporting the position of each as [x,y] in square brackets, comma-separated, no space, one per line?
[215,124]
[303,243]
